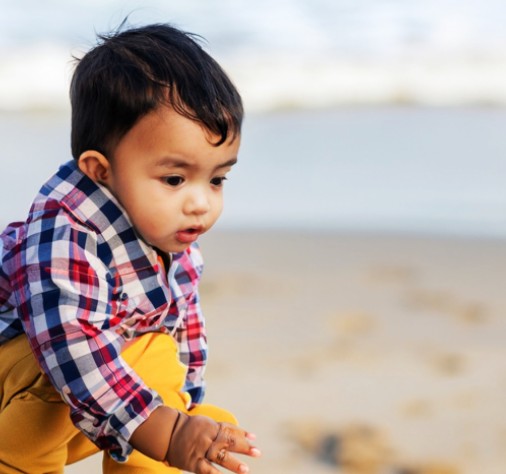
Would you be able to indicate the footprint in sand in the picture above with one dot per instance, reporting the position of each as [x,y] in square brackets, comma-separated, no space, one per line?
[417,408]
[449,364]
[356,448]
[392,274]
[415,297]
[359,448]
[429,468]
[352,323]
[440,301]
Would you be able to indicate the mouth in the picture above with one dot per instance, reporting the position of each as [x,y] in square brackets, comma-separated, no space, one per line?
[189,235]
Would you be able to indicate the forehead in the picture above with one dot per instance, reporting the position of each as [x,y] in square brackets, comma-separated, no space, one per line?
[167,119]
[164,135]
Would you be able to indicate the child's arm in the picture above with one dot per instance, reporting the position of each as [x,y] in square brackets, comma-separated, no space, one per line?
[193,443]
[72,316]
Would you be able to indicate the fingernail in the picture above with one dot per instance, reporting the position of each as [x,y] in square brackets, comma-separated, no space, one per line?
[255,452]
[243,468]
[251,436]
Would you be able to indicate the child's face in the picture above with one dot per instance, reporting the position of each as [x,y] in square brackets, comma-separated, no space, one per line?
[169,178]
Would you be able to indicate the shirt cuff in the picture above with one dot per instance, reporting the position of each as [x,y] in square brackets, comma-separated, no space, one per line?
[122,425]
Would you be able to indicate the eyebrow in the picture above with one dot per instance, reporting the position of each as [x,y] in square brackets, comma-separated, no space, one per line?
[178,163]
[228,163]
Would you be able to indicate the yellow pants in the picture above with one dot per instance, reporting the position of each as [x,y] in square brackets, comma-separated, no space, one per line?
[36,433]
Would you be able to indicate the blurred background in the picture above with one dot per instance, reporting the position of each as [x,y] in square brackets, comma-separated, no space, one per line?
[360,262]
[360,114]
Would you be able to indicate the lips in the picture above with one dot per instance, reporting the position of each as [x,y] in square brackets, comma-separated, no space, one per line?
[187,236]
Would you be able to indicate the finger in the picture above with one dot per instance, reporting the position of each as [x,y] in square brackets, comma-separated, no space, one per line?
[232,439]
[254,451]
[228,461]
[205,467]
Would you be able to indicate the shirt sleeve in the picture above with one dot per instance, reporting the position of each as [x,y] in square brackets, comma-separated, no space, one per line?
[68,310]
[191,334]
[10,325]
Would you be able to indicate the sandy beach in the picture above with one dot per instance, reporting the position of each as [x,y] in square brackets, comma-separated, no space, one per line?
[366,354]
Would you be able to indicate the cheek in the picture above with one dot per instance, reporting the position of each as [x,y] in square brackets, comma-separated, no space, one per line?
[218,201]
[218,207]
[149,225]
[144,210]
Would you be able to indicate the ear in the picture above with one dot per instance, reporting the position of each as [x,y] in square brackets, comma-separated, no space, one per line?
[95,165]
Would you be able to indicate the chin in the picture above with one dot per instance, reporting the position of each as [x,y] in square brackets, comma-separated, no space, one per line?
[175,248]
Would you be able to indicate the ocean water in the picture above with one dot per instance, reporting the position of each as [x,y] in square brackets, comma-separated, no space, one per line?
[289,53]
[402,169]
[381,115]
[417,170]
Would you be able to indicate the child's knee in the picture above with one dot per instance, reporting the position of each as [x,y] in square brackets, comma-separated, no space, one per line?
[137,464]
[18,369]
[154,357]
[35,433]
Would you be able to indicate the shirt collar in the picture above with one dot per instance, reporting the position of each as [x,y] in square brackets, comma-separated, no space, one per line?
[90,202]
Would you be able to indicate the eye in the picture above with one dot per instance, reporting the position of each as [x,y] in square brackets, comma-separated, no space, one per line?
[218,180]
[173,180]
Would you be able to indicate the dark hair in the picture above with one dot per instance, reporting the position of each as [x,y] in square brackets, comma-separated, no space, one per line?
[130,73]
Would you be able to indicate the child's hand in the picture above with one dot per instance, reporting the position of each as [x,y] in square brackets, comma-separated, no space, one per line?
[197,442]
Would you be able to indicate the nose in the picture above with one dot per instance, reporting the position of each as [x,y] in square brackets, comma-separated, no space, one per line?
[197,201]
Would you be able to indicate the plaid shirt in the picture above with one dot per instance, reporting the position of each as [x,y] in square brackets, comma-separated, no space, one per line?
[78,280]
